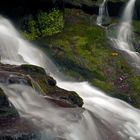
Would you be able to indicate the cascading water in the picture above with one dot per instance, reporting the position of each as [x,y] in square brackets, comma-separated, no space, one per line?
[123,42]
[103,16]
[104,118]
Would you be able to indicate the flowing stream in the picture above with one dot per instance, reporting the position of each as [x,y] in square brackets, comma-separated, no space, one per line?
[103,16]
[124,39]
[104,118]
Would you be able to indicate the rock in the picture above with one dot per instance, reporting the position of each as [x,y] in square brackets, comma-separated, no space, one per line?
[14,127]
[48,85]
[7,110]
[115,7]
[11,125]
[37,78]
[19,129]
[13,78]
[22,8]
[51,82]
[69,98]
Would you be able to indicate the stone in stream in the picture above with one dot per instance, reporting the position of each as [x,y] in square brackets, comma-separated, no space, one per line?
[12,126]
[37,78]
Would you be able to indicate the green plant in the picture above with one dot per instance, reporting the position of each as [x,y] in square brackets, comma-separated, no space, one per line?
[44,24]
[50,23]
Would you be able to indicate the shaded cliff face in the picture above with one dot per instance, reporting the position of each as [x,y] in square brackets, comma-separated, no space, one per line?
[115,7]
[18,8]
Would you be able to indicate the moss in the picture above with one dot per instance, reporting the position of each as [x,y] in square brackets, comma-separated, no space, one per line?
[82,50]
[38,77]
[33,68]
[46,85]
[1,92]
[74,97]
[135,82]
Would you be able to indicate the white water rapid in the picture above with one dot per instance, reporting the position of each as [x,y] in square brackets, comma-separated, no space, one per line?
[123,42]
[103,16]
[104,118]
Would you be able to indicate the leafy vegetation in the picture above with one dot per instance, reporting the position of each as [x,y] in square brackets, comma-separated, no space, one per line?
[44,24]
[83,52]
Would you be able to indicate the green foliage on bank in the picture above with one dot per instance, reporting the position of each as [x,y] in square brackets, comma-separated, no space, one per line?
[43,24]
[83,51]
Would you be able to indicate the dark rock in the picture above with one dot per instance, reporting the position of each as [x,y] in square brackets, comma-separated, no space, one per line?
[7,110]
[3,99]
[48,85]
[37,78]
[115,8]
[19,129]
[11,125]
[51,82]
[13,78]
[89,7]
[18,9]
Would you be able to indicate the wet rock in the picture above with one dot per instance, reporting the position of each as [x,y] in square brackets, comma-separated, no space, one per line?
[48,85]
[37,78]
[19,129]
[60,138]
[12,127]
[7,110]
[13,78]
[51,82]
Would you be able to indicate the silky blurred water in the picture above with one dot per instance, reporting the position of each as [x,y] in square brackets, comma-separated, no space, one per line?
[104,118]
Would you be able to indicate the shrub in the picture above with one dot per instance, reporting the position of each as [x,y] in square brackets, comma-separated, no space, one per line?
[30,28]
[44,24]
[51,23]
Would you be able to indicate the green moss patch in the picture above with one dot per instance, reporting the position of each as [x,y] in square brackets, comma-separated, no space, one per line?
[82,51]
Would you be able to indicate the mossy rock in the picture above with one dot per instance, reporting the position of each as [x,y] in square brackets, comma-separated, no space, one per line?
[47,85]
[37,78]
[7,110]
[32,69]
[83,51]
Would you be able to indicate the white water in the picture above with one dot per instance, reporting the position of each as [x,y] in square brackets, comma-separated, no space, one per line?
[105,118]
[103,14]
[123,42]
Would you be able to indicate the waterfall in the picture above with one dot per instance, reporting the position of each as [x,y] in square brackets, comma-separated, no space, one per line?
[103,16]
[104,118]
[125,29]
[124,39]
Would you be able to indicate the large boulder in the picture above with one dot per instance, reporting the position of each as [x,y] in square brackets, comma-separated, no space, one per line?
[37,78]
[43,82]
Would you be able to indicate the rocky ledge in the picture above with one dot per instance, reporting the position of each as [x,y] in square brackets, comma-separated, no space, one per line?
[12,126]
